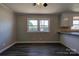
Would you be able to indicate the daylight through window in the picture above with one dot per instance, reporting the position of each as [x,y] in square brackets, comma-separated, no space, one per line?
[75,22]
[38,25]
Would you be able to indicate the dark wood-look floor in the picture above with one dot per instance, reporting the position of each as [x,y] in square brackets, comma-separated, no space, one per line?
[40,49]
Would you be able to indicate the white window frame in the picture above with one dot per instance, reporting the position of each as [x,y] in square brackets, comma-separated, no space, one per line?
[74,24]
[38,21]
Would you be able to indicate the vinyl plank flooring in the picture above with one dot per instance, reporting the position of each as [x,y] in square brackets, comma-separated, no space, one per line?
[38,49]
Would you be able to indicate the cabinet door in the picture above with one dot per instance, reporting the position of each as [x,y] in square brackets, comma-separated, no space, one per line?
[66,20]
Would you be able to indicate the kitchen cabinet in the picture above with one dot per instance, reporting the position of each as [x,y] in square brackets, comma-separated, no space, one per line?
[66,20]
[70,40]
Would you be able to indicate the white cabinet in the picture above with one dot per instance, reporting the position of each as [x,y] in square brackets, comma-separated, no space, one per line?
[66,20]
[71,41]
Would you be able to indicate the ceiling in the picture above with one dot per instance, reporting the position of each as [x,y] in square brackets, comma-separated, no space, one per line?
[50,9]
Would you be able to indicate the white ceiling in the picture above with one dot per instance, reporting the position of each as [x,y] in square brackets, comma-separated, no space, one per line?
[51,8]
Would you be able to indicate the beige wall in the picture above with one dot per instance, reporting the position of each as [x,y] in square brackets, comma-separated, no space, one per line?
[7,34]
[23,36]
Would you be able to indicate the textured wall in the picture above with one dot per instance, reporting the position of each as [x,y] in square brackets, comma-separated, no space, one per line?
[7,34]
[37,36]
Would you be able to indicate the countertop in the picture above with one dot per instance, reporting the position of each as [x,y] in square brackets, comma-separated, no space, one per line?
[70,33]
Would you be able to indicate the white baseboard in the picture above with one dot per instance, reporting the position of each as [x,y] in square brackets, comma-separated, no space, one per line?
[70,48]
[7,47]
[38,42]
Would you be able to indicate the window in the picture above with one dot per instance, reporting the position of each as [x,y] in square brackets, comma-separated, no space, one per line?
[38,25]
[32,26]
[44,26]
[75,22]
